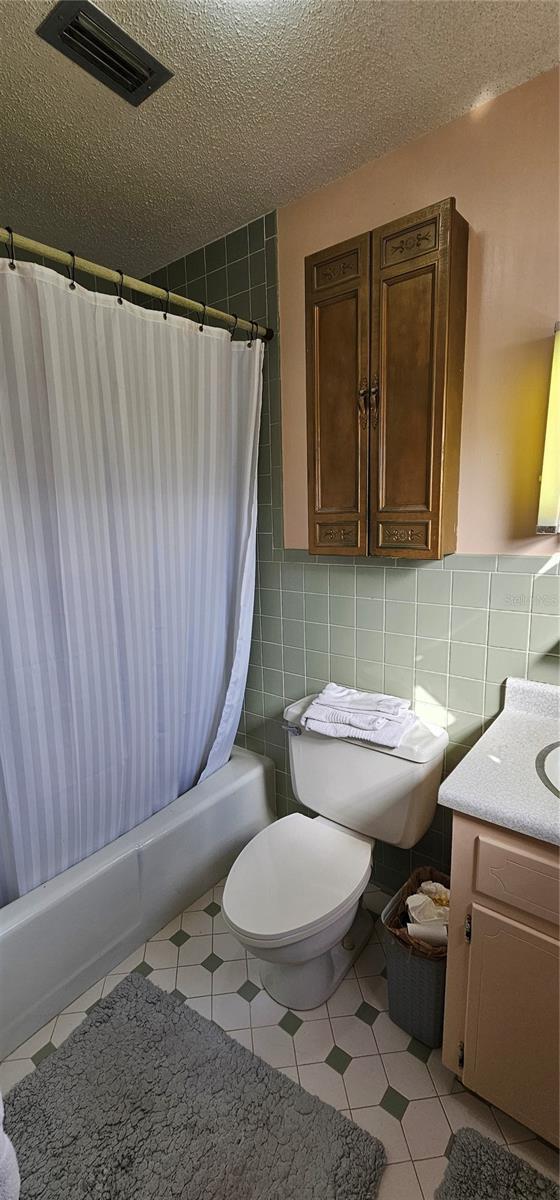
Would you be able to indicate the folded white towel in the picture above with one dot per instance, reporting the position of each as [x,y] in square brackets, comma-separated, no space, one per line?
[346,699]
[391,735]
[360,720]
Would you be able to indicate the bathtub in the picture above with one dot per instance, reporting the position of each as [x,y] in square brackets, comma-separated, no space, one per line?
[64,935]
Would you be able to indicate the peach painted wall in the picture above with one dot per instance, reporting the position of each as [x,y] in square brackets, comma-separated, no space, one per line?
[501,163]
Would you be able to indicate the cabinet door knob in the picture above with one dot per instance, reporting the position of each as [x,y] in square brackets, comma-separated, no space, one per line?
[363,398]
[374,397]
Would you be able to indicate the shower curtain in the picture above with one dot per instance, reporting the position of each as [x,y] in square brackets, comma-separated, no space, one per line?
[128,451]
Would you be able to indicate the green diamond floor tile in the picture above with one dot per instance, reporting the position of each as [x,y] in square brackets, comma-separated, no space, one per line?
[394,1103]
[42,1053]
[212,962]
[94,1005]
[290,1023]
[143,968]
[212,909]
[177,994]
[419,1050]
[248,990]
[367,1013]
[179,938]
[338,1059]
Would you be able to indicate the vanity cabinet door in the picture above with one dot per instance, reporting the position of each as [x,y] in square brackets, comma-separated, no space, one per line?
[512,1020]
[419,269]
[337,299]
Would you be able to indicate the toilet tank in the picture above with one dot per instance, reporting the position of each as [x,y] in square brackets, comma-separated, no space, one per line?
[381,793]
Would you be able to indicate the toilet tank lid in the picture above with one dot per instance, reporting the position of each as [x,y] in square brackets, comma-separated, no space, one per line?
[423,743]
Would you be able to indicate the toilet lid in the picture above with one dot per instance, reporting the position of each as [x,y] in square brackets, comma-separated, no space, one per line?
[294,878]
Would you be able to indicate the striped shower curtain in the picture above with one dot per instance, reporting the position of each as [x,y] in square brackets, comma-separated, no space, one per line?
[128,449]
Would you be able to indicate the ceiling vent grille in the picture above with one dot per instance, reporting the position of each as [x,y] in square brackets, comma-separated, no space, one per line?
[86,35]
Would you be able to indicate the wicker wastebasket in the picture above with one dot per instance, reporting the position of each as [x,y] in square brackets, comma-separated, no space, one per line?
[415,971]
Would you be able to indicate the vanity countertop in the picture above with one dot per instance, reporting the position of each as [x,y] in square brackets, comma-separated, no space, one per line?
[504,778]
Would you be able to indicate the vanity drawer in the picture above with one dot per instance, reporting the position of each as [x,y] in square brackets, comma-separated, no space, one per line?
[525,875]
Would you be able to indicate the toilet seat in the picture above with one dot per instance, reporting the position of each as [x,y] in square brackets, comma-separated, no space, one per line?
[294,879]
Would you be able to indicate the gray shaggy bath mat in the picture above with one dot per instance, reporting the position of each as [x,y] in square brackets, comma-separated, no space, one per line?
[147,1100]
[479,1169]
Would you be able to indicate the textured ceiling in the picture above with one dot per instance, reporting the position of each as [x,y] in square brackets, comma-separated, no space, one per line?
[270,99]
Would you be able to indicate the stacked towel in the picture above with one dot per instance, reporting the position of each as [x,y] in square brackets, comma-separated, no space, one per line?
[365,716]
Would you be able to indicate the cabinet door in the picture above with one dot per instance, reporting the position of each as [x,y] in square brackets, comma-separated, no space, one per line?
[511,1034]
[337,351]
[417,346]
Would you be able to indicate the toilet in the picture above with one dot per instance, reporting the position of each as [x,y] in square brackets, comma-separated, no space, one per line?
[292,897]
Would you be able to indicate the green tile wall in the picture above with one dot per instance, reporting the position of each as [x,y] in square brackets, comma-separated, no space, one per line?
[444,635]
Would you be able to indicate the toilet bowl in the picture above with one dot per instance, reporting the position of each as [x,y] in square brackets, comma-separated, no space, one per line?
[292,897]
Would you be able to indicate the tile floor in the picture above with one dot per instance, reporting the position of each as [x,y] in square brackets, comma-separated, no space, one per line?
[348,1051]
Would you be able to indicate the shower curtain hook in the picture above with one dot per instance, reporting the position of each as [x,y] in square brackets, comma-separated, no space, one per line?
[119,287]
[201,326]
[72,271]
[254,326]
[10,250]
[234,326]
[166,309]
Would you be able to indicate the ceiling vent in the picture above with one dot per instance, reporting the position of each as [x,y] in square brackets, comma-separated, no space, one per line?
[86,35]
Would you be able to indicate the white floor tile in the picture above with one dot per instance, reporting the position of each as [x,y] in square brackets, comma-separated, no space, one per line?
[346,999]
[168,930]
[385,1127]
[231,1011]
[193,952]
[130,962]
[35,1042]
[66,1023]
[229,977]
[12,1072]
[365,1082]
[353,1036]
[243,1036]
[201,1005]
[194,981]
[466,1109]
[430,1172]
[442,1077]
[389,1037]
[374,991]
[540,1156]
[312,1014]
[218,891]
[426,1129]
[254,971]
[291,1073]
[197,923]
[322,1081]
[274,1045]
[218,924]
[371,961]
[511,1129]
[166,979]
[265,1010]
[226,946]
[161,955]
[109,983]
[313,1041]
[399,1182]
[409,1076]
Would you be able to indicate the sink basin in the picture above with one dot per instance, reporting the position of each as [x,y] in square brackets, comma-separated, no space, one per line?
[547,765]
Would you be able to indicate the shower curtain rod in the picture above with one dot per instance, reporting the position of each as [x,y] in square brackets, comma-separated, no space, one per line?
[15,241]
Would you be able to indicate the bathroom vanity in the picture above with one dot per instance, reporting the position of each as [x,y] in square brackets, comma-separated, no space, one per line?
[501,1030]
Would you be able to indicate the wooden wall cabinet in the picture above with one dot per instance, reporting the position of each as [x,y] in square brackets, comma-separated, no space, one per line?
[385,332]
[501,1029]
